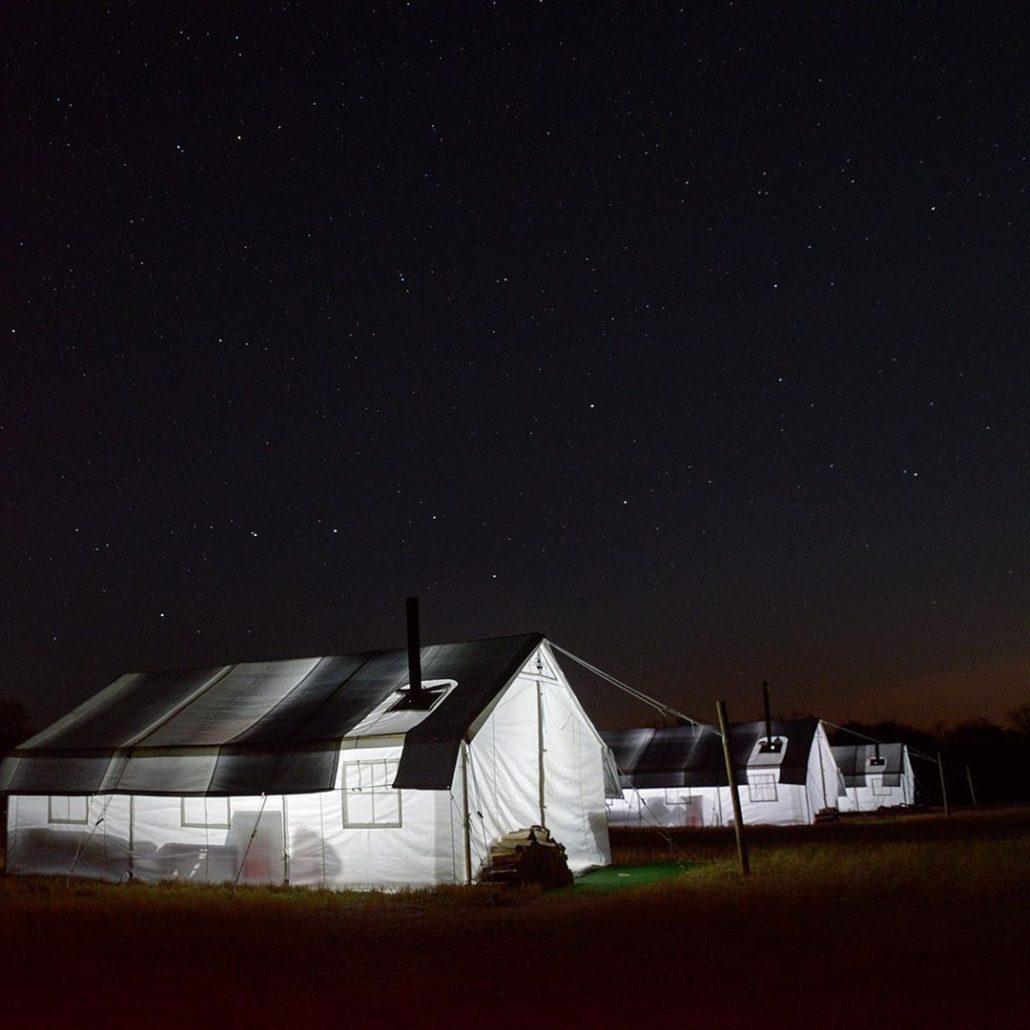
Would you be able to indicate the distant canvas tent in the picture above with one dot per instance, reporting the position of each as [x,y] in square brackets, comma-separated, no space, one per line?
[875,776]
[676,776]
[313,771]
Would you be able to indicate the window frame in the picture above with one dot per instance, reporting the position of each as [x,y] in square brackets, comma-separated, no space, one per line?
[53,820]
[768,781]
[390,766]
[207,825]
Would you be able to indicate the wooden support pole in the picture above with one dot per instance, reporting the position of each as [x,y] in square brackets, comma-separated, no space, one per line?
[972,791]
[944,785]
[731,776]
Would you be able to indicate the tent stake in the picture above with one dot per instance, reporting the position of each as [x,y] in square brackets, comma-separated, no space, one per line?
[972,791]
[944,785]
[731,776]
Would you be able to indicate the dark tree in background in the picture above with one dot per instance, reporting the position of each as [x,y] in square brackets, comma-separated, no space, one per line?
[1021,719]
[14,724]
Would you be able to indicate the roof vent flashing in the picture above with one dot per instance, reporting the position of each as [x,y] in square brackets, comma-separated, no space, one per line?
[419,701]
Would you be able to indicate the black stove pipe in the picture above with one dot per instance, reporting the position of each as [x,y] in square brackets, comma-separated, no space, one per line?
[768,715]
[414,654]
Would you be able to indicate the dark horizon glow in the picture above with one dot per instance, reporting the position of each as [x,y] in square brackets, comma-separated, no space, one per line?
[694,339]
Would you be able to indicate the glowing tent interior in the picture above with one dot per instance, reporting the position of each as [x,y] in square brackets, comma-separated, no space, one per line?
[676,775]
[320,771]
[875,776]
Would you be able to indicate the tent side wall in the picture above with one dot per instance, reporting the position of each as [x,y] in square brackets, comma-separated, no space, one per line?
[784,804]
[665,806]
[908,779]
[366,834]
[360,834]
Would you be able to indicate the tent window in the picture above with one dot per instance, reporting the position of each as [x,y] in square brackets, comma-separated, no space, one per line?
[876,782]
[761,786]
[369,800]
[71,810]
[204,813]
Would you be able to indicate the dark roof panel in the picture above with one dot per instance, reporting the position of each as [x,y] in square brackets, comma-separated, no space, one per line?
[259,727]
[692,756]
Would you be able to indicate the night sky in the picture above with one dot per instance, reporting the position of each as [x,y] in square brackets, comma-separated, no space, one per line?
[693,337]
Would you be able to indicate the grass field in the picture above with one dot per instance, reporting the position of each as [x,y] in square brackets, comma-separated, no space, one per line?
[911,921]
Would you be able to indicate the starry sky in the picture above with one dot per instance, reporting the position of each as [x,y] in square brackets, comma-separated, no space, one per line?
[691,336]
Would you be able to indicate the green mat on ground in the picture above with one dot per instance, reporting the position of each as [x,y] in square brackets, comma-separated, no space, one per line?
[616,877]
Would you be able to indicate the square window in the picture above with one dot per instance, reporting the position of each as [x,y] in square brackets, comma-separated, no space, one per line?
[369,799]
[204,813]
[761,786]
[71,810]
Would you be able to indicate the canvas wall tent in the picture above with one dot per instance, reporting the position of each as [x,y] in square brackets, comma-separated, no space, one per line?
[875,776]
[676,776]
[312,771]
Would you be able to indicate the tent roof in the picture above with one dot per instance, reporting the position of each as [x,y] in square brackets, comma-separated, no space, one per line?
[691,756]
[853,762]
[260,727]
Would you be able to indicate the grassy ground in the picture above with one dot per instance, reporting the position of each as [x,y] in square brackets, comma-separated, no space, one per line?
[913,921]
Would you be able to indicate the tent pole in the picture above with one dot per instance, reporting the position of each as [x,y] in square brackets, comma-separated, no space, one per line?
[731,776]
[465,811]
[944,785]
[972,791]
[132,836]
[253,834]
[540,740]
[286,840]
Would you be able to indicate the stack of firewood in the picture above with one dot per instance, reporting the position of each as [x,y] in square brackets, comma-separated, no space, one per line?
[525,857]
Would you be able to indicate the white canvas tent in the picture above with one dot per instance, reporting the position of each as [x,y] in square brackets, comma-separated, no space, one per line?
[312,771]
[875,776]
[676,775]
